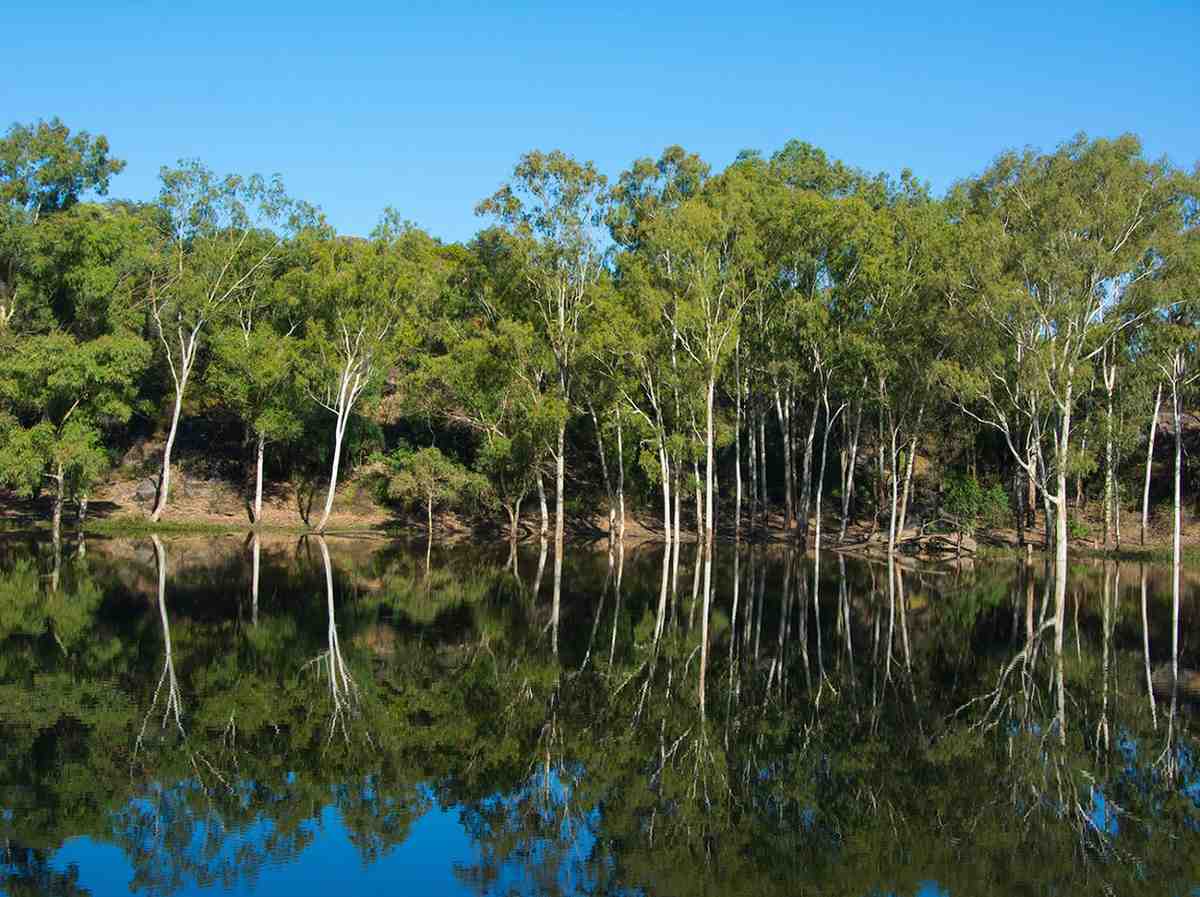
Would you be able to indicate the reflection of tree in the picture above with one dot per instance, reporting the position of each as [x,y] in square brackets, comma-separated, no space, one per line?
[171,700]
[25,871]
[597,777]
[344,694]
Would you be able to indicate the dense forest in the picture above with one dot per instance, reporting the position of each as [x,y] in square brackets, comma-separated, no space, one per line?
[688,345]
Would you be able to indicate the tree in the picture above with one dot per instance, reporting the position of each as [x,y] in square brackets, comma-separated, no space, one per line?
[1070,234]
[251,372]
[360,298]
[429,478]
[62,393]
[221,234]
[553,206]
[44,169]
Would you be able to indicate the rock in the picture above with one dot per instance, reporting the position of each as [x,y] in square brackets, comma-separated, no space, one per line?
[135,455]
[146,491]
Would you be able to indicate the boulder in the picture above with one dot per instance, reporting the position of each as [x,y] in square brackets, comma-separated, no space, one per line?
[146,491]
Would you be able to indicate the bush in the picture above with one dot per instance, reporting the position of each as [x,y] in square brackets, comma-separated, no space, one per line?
[1078,529]
[969,504]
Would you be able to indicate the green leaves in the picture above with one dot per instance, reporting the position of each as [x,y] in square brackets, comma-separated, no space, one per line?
[426,476]
[44,168]
[62,393]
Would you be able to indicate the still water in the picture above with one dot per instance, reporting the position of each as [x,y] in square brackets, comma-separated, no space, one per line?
[218,716]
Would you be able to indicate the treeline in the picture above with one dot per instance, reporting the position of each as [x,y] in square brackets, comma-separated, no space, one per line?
[672,336]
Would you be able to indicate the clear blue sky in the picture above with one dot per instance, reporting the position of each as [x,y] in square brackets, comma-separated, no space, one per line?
[361,105]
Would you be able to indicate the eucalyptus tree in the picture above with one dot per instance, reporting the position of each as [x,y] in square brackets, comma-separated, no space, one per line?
[44,169]
[361,299]
[1076,230]
[485,370]
[639,327]
[251,371]
[62,393]
[1073,232]
[708,254]
[885,267]
[221,234]
[1172,345]
[553,206]
[429,478]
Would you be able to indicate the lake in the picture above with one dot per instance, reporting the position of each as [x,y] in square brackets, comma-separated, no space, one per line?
[351,716]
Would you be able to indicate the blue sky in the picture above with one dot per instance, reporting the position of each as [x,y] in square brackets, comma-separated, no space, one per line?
[363,105]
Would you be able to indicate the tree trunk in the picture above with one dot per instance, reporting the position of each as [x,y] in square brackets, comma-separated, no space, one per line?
[816,580]
[255,561]
[339,432]
[1031,485]
[608,489]
[560,468]
[709,460]
[541,487]
[908,475]
[620,481]
[737,448]
[785,431]
[429,532]
[260,450]
[1110,375]
[81,517]
[895,498]
[752,434]
[806,480]
[848,485]
[762,458]
[699,501]
[665,464]
[1150,463]
[678,501]
[707,550]
[1176,522]
[1060,560]
[59,498]
[164,480]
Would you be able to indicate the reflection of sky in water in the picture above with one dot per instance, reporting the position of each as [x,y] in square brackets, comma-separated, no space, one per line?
[424,863]
[437,844]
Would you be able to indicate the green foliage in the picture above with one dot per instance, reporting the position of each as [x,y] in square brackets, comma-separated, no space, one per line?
[1077,529]
[970,504]
[427,478]
[44,168]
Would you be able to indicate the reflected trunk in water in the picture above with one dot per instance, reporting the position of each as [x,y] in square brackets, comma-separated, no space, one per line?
[172,707]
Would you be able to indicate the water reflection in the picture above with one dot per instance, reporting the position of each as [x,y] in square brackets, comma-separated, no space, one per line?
[752,723]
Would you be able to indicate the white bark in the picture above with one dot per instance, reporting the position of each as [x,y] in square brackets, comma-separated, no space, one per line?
[559,512]
[260,450]
[1150,463]
[188,345]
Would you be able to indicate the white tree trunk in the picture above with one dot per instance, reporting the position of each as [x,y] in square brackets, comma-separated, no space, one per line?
[338,433]
[187,356]
[1150,463]
[560,461]
[908,475]
[260,450]
[541,488]
[1060,561]
[164,480]
[257,550]
[851,463]
[783,412]
[1176,524]
[620,483]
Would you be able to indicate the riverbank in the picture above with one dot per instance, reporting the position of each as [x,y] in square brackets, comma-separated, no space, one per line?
[209,507]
